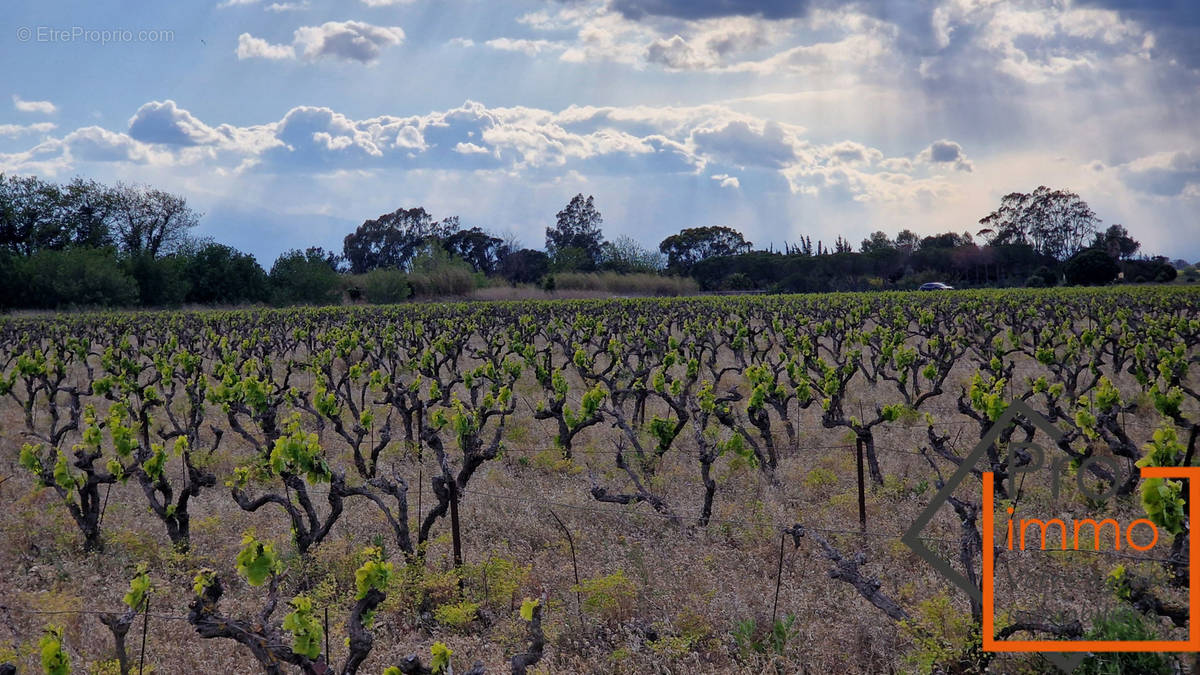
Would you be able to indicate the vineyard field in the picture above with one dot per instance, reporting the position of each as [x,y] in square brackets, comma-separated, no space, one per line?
[591,486]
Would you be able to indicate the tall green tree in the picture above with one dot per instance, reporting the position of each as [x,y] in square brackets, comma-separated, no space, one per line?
[480,249]
[694,244]
[1057,223]
[393,239]
[149,220]
[577,227]
[524,266]
[878,241]
[1116,242]
[30,217]
[303,277]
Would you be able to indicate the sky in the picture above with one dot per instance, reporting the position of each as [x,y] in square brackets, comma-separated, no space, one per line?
[289,123]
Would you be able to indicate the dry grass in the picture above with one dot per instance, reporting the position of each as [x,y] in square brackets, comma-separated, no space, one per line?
[626,284]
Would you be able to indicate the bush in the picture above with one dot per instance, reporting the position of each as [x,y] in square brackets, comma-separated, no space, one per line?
[437,273]
[525,266]
[10,282]
[162,282]
[1035,281]
[572,259]
[1048,276]
[456,615]
[386,286]
[82,277]
[610,597]
[943,638]
[303,278]
[819,477]
[738,281]
[1124,624]
[1091,267]
[220,274]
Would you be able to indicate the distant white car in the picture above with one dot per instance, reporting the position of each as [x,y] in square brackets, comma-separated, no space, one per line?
[936,286]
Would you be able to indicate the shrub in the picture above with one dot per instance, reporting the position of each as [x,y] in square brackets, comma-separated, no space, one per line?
[1124,624]
[738,281]
[303,278]
[609,597]
[818,477]
[497,580]
[81,277]
[1091,267]
[943,637]
[456,615]
[162,282]
[219,274]
[749,640]
[386,286]
[524,266]
[1049,277]
[437,273]
[1035,281]
[10,282]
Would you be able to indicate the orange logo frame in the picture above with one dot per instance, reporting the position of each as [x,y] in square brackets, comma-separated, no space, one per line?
[1192,644]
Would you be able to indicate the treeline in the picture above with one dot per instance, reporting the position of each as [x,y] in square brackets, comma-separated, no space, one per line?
[1043,238]
[84,244]
[908,261]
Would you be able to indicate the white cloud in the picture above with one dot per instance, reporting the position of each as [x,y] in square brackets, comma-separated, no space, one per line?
[527,47]
[250,47]
[287,6]
[650,147]
[849,57]
[345,40]
[12,130]
[165,123]
[470,149]
[386,3]
[712,43]
[744,143]
[234,3]
[43,107]
[726,181]
[349,40]
[96,144]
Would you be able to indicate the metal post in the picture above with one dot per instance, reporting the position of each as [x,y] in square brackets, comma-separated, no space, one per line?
[145,627]
[779,575]
[862,492]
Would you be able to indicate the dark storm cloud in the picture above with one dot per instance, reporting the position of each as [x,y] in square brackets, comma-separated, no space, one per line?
[912,17]
[945,151]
